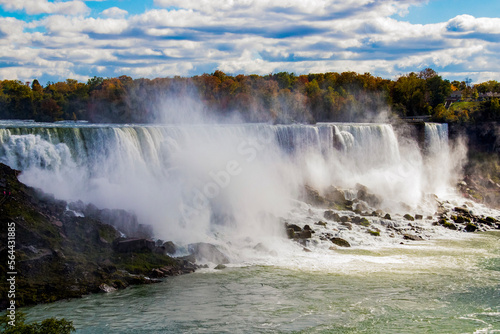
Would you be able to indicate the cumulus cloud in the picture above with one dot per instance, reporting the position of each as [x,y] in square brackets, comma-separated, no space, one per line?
[115,12]
[33,7]
[188,37]
[467,23]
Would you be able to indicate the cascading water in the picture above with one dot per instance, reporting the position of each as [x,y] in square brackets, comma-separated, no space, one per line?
[194,181]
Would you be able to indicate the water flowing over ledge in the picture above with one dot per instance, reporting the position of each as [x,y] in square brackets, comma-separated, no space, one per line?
[190,181]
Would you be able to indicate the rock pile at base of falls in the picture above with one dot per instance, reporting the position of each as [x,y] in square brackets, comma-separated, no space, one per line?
[343,218]
[61,255]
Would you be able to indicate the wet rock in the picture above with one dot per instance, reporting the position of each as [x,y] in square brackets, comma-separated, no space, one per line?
[470,227]
[387,216]
[335,195]
[447,224]
[170,247]
[209,252]
[345,219]
[312,196]
[307,228]
[220,267]
[408,217]
[412,237]
[306,234]
[106,288]
[363,194]
[321,223]
[462,210]
[461,219]
[491,220]
[340,242]
[375,233]
[293,227]
[157,273]
[330,215]
[121,245]
[346,224]
[361,207]
[361,221]
[419,217]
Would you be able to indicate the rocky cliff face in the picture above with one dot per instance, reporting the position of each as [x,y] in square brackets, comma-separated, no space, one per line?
[59,255]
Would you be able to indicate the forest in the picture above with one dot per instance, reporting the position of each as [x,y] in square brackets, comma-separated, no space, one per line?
[278,98]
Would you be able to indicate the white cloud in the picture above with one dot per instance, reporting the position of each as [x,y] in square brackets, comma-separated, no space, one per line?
[115,12]
[467,24]
[67,25]
[33,7]
[242,36]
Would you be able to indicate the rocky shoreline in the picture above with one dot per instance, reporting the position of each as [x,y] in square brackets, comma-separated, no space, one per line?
[61,254]
[363,215]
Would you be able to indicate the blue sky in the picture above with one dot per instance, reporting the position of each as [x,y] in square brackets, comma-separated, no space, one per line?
[56,40]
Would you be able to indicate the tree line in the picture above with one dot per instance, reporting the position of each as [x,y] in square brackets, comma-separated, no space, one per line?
[279,97]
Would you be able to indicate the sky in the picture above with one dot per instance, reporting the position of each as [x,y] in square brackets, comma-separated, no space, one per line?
[78,39]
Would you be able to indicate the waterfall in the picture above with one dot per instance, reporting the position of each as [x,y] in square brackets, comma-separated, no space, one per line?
[438,158]
[192,180]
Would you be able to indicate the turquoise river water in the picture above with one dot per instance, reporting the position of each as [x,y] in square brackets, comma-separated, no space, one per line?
[444,286]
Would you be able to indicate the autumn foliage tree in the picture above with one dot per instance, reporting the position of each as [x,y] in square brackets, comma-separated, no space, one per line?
[281,97]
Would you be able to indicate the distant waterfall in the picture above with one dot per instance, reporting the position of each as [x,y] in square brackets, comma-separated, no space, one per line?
[436,138]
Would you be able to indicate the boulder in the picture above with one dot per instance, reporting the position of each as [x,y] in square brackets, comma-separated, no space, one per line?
[346,224]
[461,219]
[387,216]
[312,196]
[491,220]
[330,215]
[361,221]
[447,224]
[419,217]
[290,233]
[361,207]
[470,227]
[412,237]
[345,219]
[220,267]
[335,196]
[409,217]
[340,242]
[106,288]
[462,210]
[121,245]
[364,195]
[170,247]
[293,227]
[306,234]
[209,252]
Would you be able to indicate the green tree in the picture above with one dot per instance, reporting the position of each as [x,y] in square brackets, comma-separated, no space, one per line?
[409,94]
[47,326]
[489,110]
[16,100]
[438,89]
